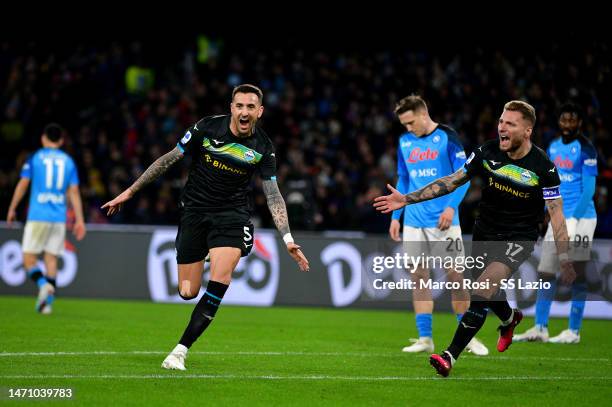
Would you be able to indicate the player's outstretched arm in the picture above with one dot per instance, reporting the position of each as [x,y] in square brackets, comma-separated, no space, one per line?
[439,187]
[154,171]
[557,220]
[278,209]
[20,190]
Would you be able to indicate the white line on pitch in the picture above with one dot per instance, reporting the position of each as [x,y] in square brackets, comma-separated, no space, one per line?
[345,354]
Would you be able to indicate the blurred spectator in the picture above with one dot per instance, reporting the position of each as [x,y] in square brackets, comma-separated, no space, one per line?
[329,113]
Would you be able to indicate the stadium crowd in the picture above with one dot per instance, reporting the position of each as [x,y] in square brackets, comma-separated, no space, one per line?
[328,111]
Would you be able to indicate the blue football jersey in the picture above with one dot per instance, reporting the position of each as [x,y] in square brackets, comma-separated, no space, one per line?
[573,161]
[51,172]
[421,160]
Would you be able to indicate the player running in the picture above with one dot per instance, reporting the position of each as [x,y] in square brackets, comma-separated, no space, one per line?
[227,151]
[518,179]
[427,151]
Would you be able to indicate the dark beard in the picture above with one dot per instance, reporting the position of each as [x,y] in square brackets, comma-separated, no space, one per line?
[571,136]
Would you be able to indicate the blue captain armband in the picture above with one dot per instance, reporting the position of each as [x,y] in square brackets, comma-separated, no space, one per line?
[551,193]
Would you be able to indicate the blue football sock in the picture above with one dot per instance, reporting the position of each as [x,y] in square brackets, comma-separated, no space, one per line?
[423,323]
[578,303]
[459,316]
[543,303]
[37,276]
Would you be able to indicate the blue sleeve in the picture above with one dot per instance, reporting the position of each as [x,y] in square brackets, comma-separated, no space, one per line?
[456,154]
[588,190]
[74,175]
[401,164]
[589,160]
[26,170]
[402,186]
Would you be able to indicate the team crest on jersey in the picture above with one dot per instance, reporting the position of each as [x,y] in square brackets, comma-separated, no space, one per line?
[525,175]
[249,155]
[186,138]
[436,139]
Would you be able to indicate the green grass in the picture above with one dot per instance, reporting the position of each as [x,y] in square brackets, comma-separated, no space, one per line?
[283,356]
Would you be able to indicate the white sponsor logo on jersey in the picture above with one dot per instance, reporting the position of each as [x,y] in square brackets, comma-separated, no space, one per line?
[45,197]
[406,144]
[591,162]
[424,172]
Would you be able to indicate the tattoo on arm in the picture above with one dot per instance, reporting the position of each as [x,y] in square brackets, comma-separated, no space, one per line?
[555,210]
[439,187]
[277,207]
[156,169]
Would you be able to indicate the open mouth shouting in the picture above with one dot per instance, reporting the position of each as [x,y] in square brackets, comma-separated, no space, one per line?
[244,124]
[504,141]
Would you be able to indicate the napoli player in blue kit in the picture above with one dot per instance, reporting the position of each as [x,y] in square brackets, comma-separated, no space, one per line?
[54,178]
[576,160]
[426,151]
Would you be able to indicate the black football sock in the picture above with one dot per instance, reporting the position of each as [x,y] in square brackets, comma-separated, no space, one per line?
[470,324]
[204,312]
[502,309]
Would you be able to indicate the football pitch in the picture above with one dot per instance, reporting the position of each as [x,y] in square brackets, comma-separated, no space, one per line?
[110,352]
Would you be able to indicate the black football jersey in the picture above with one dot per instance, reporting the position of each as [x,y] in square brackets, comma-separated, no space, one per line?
[223,165]
[513,191]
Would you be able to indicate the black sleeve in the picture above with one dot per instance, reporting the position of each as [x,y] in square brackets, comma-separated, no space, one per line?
[473,164]
[267,165]
[192,138]
[549,179]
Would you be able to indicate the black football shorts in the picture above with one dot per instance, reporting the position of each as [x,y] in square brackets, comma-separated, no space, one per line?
[199,232]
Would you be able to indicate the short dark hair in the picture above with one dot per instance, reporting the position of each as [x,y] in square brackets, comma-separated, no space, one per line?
[248,88]
[412,102]
[524,108]
[572,108]
[54,132]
